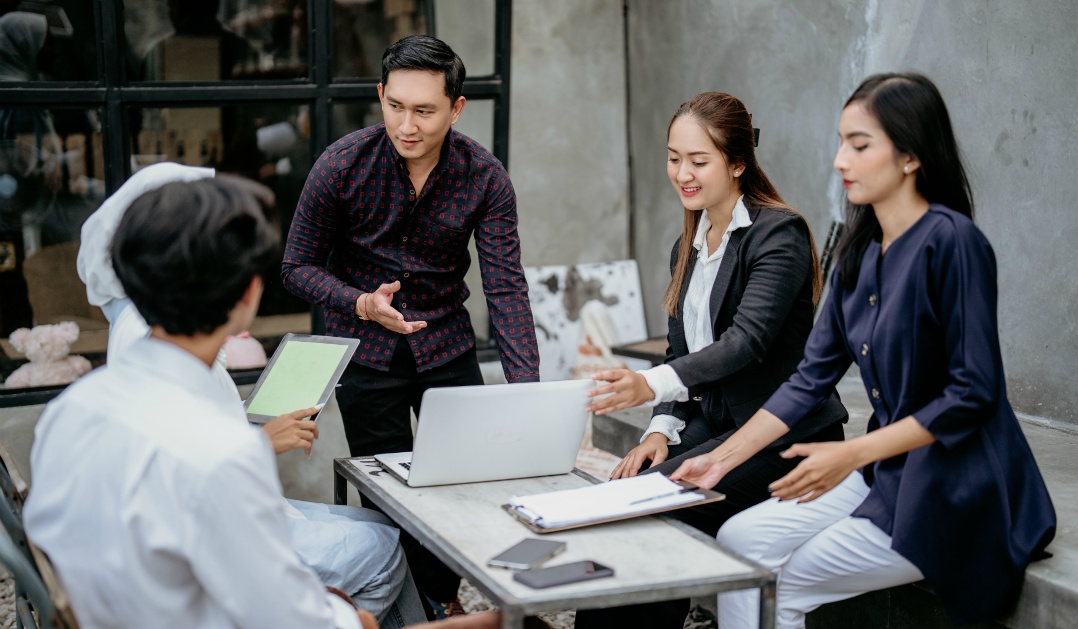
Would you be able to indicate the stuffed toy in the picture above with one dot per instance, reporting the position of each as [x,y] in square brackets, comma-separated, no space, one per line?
[244,352]
[46,346]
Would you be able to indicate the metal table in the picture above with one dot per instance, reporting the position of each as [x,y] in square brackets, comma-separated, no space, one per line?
[464,526]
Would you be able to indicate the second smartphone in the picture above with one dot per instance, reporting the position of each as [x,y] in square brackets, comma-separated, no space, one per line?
[527,553]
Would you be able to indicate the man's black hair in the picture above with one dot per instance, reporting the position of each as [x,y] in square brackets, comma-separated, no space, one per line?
[186,252]
[423,52]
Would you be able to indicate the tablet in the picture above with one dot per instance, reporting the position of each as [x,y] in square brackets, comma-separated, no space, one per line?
[302,373]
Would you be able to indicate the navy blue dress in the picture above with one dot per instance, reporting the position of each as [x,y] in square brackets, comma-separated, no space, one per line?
[970,510]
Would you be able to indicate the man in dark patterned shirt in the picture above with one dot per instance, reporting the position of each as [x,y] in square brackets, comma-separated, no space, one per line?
[380,242]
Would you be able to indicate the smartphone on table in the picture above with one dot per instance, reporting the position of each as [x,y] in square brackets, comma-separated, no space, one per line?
[527,553]
[564,573]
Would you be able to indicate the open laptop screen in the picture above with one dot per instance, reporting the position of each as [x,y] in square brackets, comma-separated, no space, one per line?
[302,373]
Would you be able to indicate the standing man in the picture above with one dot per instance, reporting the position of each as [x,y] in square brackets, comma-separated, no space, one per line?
[380,242]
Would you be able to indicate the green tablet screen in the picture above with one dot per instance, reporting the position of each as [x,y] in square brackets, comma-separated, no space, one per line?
[298,378]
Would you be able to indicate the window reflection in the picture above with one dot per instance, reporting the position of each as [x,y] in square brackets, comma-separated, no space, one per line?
[362,29]
[216,40]
[47,41]
[51,179]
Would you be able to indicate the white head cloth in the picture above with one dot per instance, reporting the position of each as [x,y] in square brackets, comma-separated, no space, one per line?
[94,262]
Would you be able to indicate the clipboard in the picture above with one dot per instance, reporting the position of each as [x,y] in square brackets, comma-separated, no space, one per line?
[537,527]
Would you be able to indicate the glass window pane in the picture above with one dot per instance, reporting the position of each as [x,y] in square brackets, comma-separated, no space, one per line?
[51,179]
[48,41]
[266,142]
[362,29]
[349,117]
[215,40]
[468,27]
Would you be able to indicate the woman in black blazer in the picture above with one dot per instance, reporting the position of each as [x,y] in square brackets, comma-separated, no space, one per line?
[745,281]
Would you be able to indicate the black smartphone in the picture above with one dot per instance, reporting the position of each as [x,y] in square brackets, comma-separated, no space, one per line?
[565,573]
[527,553]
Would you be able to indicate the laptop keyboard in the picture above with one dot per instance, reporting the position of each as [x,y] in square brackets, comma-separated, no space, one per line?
[406,465]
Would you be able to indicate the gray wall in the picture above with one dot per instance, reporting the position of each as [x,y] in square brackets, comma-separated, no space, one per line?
[1007,72]
[568,156]
[567,143]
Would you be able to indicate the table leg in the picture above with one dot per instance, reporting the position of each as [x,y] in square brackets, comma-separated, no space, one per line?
[340,489]
[767,606]
[512,618]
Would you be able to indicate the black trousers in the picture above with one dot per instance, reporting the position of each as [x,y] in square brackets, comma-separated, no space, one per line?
[745,486]
[374,406]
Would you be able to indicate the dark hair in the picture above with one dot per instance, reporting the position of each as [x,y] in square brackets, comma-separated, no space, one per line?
[911,112]
[730,127]
[423,52]
[186,252]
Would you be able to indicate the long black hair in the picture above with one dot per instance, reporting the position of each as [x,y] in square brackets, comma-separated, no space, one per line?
[911,112]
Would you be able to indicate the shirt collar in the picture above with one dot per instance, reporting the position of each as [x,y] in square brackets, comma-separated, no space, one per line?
[177,366]
[739,220]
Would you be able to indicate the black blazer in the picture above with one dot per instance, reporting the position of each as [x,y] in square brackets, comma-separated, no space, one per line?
[761,305]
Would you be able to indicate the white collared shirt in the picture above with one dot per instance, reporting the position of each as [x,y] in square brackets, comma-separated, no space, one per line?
[697,319]
[160,507]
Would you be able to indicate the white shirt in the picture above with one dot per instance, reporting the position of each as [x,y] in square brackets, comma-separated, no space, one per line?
[697,320]
[160,509]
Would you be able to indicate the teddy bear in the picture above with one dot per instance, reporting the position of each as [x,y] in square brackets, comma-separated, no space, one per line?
[46,346]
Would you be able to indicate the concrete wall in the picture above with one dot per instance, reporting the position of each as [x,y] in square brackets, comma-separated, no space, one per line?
[568,157]
[567,144]
[1006,71]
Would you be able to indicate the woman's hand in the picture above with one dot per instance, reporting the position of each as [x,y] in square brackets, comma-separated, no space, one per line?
[626,389]
[704,471]
[826,465]
[292,431]
[653,449]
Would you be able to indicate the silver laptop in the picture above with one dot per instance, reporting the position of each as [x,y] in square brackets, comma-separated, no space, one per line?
[494,432]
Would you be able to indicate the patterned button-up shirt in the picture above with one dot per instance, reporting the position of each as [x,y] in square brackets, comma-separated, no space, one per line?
[360,224]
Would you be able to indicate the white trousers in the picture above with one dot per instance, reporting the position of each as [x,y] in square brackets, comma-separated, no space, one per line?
[820,553]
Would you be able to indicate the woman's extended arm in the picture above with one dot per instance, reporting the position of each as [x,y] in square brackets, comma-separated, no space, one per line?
[827,464]
[708,469]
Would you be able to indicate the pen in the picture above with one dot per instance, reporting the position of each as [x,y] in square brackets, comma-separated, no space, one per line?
[683,490]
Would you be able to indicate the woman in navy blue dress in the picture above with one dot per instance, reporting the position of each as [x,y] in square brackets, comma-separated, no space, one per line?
[943,486]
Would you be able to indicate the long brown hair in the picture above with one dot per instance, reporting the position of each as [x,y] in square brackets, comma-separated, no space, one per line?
[730,127]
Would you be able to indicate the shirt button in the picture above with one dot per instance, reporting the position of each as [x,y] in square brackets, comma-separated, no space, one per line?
[864,349]
[407,274]
[405,239]
[872,300]
[404,305]
[875,393]
[698,399]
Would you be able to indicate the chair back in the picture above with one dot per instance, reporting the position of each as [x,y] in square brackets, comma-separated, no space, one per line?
[31,595]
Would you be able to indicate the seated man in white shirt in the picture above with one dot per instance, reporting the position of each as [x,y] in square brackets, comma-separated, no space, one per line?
[353,549]
[157,508]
